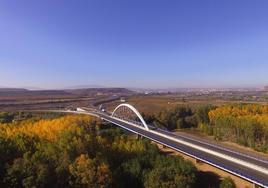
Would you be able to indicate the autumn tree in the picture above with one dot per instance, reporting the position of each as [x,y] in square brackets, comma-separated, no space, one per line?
[227,182]
[90,173]
[74,151]
[244,124]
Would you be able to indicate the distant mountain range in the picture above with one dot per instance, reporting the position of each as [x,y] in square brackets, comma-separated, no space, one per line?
[63,88]
[84,87]
[141,90]
[20,88]
[62,92]
[12,89]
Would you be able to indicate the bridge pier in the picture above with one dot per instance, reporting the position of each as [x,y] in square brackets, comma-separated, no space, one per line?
[138,137]
[197,161]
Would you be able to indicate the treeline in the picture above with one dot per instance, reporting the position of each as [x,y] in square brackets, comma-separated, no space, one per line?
[246,124]
[9,117]
[180,117]
[78,151]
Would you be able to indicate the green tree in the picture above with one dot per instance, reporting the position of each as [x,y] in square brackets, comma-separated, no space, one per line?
[227,182]
[26,172]
[171,172]
[202,113]
[177,117]
[8,151]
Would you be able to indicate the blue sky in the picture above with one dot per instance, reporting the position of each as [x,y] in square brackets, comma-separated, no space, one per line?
[134,43]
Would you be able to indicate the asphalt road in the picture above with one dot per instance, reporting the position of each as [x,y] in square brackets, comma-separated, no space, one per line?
[257,175]
[233,167]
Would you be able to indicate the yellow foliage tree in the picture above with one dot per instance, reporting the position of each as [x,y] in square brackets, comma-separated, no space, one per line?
[88,173]
[45,129]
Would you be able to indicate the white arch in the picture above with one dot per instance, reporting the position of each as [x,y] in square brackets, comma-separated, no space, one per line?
[135,111]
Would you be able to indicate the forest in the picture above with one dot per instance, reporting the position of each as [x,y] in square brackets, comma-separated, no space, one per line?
[79,151]
[245,124]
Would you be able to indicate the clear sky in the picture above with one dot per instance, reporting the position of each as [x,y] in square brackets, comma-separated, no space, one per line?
[134,43]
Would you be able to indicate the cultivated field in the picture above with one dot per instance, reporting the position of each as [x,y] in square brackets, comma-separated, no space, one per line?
[151,104]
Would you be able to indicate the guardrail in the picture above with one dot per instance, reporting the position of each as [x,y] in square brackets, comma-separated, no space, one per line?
[189,153]
[216,146]
[206,160]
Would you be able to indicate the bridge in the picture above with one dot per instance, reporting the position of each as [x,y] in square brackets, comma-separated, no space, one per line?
[245,166]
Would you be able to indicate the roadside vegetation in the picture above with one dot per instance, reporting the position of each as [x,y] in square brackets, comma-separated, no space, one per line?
[227,182]
[245,124]
[78,151]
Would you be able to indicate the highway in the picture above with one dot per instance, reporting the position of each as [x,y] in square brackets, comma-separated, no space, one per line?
[242,165]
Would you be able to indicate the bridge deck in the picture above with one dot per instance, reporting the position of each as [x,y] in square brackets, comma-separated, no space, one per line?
[227,165]
[257,176]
